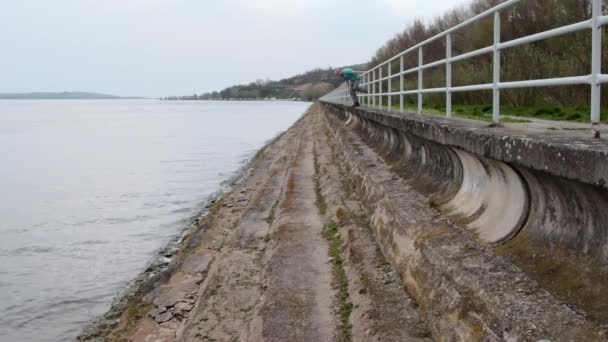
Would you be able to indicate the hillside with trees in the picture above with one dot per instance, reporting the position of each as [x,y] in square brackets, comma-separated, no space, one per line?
[567,55]
[307,86]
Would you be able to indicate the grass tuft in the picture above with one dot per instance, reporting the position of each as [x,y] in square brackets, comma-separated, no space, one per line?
[381,261]
[320,200]
[333,236]
[272,213]
[483,112]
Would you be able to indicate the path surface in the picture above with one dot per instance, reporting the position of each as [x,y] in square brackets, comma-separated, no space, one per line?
[259,269]
[299,299]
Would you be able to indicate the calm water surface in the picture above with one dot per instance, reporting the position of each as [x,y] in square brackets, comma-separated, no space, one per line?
[91,190]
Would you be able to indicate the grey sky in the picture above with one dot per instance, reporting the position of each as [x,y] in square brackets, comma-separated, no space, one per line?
[177,47]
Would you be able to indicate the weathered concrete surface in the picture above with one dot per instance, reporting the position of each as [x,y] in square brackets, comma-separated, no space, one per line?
[382,310]
[257,267]
[496,198]
[464,289]
[554,228]
[298,302]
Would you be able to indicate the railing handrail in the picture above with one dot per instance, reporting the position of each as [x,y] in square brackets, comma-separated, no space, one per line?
[374,78]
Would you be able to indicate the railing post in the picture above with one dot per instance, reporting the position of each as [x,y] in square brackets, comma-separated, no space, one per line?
[345,97]
[362,97]
[339,94]
[390,87]
[380,85]
[374,88]
[448,75]
[596,63]
[369,100]
[359,97]
[420,62]
[401,84]
[363,83]
[496,90]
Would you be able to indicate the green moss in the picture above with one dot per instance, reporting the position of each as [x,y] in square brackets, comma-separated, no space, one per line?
[320,200]
[345,307]
[133,312]
[511,120]
[272,213]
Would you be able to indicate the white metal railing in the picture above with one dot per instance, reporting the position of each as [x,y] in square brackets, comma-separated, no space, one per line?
[372,80]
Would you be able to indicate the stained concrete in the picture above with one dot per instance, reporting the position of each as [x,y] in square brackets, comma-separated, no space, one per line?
[465,291]
[472,173]
[554,227]
[256,267]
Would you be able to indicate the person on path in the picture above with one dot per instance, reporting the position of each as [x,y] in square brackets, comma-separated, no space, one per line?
[352,79]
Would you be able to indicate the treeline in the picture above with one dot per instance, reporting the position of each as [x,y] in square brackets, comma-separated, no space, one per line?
[307,86]
[568,55]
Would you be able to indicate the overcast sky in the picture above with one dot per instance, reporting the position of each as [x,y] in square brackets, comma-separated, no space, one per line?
[177,47]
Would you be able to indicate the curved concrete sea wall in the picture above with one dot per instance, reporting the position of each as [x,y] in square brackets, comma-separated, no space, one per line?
[488,195]
[539,199]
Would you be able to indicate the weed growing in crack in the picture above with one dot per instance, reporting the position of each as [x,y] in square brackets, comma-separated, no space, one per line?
[332,235]
[380,258]
[320,200]
[271,214]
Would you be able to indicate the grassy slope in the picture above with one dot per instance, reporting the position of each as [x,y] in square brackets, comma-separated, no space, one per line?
[484,112]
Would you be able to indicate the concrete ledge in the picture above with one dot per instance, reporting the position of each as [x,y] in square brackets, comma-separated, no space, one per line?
[554,228]
[464,290]
[573,155]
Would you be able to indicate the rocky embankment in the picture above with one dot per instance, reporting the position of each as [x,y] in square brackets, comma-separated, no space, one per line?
[323,242]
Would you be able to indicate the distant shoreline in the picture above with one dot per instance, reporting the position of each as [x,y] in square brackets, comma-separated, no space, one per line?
[234,100]
[74,95]
[73,98]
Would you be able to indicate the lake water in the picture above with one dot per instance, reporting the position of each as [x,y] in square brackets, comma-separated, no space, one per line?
[91,190]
